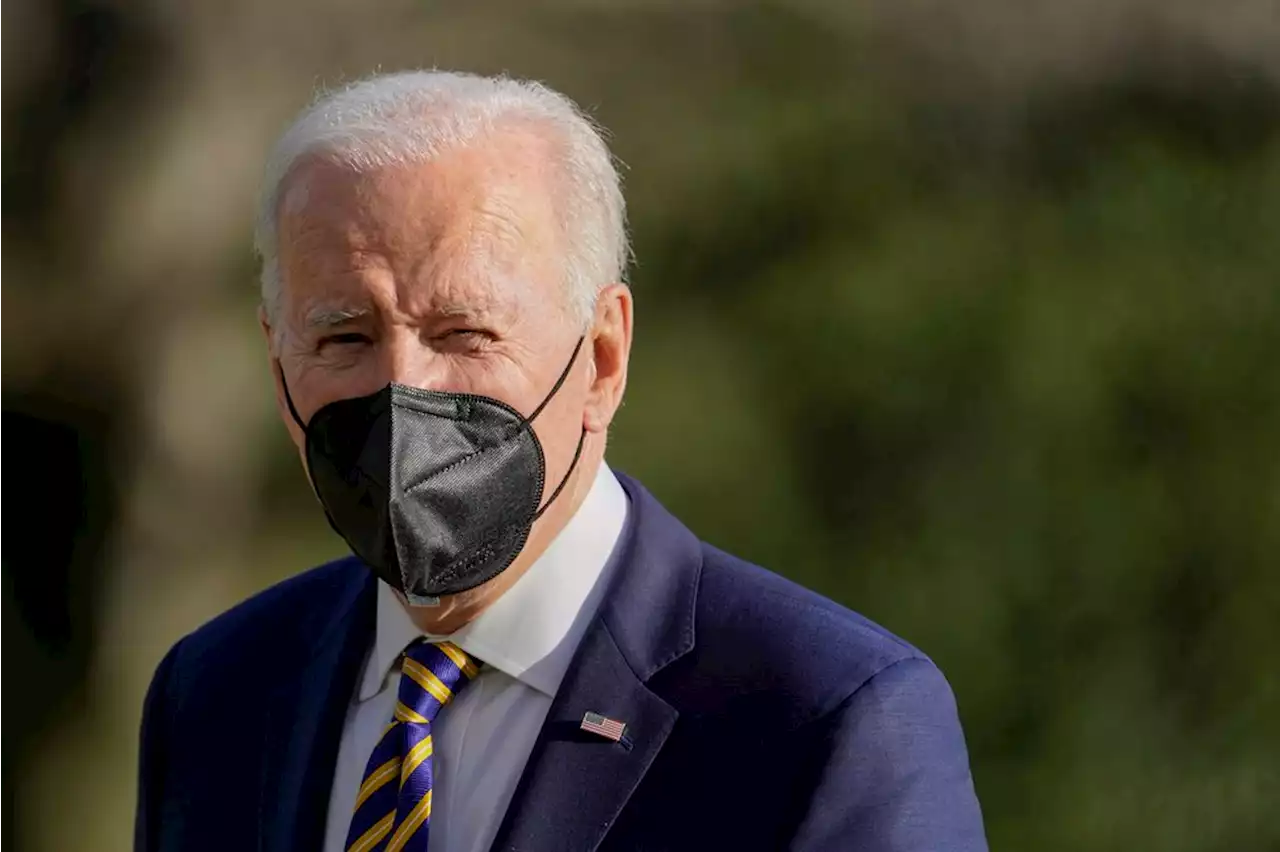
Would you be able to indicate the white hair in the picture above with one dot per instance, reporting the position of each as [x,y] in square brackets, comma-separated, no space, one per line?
[415,116]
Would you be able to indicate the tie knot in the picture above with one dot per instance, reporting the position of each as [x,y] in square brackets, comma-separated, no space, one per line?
[430,676]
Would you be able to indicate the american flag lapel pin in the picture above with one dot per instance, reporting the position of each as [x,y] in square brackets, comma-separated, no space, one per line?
[610,729]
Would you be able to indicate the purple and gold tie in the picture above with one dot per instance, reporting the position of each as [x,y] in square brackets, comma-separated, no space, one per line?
[393,807]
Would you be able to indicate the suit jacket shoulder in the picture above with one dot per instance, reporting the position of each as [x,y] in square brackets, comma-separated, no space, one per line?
[799,724]
[222,704]
[274,627]
[760,633]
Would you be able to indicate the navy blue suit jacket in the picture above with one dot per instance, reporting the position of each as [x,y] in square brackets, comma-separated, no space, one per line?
[759,716]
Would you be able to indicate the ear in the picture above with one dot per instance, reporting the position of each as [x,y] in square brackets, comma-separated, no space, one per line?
[610,350]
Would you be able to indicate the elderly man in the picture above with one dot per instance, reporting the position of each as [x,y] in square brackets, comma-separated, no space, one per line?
[526,651]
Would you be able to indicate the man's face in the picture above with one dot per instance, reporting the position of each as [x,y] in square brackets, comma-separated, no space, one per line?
[447,276]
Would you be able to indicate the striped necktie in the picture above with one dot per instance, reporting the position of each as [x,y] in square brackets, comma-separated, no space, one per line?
[393,806]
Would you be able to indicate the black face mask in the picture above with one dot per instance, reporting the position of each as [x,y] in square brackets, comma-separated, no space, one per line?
[436,492]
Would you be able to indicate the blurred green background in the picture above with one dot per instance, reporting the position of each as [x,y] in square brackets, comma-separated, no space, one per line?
[966,315]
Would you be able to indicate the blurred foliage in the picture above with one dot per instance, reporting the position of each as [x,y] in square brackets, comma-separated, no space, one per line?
[992,364]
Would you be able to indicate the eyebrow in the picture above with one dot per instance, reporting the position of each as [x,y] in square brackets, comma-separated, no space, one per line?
[327,317]
[463,310]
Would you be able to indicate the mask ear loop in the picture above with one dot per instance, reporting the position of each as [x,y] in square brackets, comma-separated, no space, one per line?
[293,411]
[288,399]
[577,454]
[564,374]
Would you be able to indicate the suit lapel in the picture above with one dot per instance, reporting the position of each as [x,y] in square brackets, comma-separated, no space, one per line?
[575,784]
[304,724]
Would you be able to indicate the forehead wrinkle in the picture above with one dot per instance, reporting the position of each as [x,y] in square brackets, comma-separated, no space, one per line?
[483,237]
[472,300]
[449,284]
[477,269]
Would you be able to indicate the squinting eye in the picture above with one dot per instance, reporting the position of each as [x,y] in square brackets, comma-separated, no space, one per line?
[471,335]
[350,337]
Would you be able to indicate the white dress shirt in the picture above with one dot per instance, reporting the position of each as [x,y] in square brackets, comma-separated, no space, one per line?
[483,738]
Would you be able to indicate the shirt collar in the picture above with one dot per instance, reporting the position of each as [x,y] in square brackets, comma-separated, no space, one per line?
[531,632]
